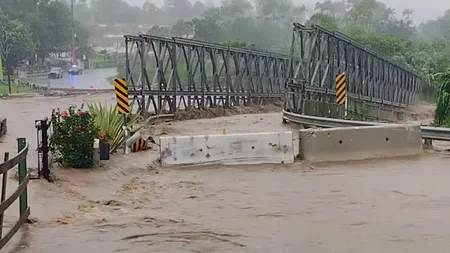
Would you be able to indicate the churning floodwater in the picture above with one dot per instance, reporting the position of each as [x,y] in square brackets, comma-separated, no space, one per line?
[372,206]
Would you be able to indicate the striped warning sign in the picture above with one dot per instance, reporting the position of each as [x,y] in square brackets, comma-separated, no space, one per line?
[139,145]
[341,93]
[121,88]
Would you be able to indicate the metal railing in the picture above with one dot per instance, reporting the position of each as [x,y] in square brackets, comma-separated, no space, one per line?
[21,192]
[431,133]
[3,128]
[43,133]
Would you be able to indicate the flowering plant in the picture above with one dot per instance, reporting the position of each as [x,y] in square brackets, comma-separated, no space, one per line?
[101,136]
[73,137]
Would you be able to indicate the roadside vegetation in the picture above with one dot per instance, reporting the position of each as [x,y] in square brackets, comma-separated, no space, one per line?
[76,129]
[4,89]
[42,27]
[267,25]
[110,123]
[442,113]
[33,30]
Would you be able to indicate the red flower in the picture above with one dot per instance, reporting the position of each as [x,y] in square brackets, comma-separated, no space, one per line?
[80,112]
[64,114]
[101,135]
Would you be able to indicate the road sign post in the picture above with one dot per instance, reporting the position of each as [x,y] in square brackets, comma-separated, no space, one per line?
[123,106]
[341,91]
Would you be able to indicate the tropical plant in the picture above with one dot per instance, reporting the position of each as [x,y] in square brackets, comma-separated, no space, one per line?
[442,113]
[73,138]
[111,124]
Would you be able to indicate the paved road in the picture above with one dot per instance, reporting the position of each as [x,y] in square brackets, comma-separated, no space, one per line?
[96,79]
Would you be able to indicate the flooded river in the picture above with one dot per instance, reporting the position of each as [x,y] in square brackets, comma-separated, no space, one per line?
[131,205]
[392,206]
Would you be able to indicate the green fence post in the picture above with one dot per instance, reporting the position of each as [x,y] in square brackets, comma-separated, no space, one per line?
[23,199]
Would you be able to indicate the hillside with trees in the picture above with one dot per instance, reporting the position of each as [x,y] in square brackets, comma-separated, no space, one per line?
[41,27]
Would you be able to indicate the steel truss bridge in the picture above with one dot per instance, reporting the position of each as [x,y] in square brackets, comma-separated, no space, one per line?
[168,74]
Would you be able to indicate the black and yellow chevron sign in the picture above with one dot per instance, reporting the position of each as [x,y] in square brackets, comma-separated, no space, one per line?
[139,145]
[341,92]
[121,89]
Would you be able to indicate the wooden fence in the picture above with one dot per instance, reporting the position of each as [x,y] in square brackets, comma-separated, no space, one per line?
[21,192]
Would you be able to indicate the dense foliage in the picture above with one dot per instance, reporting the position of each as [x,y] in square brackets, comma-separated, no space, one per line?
[31,30]
[110,123]
[423,49]
[73,137]
[256,24]
[267,24]
[442,113]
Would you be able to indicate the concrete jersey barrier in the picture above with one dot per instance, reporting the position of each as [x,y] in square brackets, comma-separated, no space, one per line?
[359,143]
[247,148]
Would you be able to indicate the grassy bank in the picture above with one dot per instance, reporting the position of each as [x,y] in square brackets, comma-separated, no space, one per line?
[4,89]
[111,79]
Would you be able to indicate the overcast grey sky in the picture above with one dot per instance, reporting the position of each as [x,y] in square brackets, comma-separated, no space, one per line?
[423,9]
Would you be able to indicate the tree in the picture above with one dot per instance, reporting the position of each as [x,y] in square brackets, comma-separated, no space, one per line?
[178,9]
[236,42]
[325,20]
[440,27]
[84,14]
[442,113]
[336,9]
[44,27]
[116,11]
[361,12]
[15,43]
[235,8]
[182,28]
[207,29]
[198,9]
[149,7]
[274,10]
[160,31]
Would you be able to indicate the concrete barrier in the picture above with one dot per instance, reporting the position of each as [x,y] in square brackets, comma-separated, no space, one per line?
[359,143]
[250,148]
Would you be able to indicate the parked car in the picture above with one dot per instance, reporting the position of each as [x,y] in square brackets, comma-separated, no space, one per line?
[55,72]
[74,70]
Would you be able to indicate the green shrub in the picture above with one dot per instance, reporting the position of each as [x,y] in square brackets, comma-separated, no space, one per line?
[73,138]
[110,123]
[442,112]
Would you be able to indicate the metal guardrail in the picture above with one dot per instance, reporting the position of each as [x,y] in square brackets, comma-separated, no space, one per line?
[152,120]
[322,90]
[432,133]
[435,133]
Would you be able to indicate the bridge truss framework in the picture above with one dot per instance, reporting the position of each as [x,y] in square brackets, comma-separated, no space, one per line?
[168,74]
[370,77]
[165,75]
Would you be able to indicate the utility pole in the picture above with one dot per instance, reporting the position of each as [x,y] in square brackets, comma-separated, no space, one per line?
[72,44]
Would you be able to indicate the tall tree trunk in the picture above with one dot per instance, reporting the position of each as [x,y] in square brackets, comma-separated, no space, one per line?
[8,72]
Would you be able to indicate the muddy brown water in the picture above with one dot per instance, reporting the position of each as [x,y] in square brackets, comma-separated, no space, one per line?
[130,205]
[392,206]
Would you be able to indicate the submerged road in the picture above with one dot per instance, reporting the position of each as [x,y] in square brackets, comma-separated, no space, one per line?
[389,206]
[97,79]
[395,205]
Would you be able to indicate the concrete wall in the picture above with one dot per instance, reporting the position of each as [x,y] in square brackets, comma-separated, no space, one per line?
[250,148]
[359,143]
